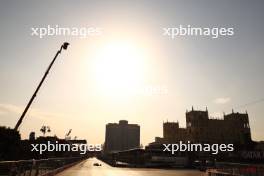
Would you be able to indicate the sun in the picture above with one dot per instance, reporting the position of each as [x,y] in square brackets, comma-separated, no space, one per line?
[119,69]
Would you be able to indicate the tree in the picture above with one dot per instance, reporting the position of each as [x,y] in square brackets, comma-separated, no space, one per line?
[45,129]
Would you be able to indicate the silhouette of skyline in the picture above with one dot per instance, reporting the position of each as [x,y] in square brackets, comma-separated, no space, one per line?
[222,73]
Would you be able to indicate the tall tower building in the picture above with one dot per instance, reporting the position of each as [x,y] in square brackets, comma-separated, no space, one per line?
[121,136]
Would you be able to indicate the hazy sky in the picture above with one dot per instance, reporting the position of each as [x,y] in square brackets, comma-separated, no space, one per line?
[86,87]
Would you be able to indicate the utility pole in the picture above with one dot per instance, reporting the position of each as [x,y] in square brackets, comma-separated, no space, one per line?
[63,46]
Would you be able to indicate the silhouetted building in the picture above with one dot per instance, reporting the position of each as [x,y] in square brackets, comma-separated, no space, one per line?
[9,143]
[233,128]
[121,136]
[32,136]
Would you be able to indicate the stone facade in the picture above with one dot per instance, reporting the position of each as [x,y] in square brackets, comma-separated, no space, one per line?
[233,128]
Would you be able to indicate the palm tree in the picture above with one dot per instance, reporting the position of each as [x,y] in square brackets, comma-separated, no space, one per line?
[45,129]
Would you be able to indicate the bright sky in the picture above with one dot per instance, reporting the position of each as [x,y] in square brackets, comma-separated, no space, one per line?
[103,79]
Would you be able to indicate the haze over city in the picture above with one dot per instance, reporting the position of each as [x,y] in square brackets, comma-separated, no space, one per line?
[131,70]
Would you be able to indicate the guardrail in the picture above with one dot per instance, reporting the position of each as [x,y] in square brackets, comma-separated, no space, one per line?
[236,169]
[33,167]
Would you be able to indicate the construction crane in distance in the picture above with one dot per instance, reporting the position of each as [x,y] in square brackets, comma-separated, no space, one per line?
[67,136]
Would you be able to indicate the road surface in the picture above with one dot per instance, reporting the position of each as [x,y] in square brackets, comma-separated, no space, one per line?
[86,168]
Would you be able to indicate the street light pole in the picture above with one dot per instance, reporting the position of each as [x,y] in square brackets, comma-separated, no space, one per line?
[63,46]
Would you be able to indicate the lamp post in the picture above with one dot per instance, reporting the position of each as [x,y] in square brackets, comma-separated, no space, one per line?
[63,46]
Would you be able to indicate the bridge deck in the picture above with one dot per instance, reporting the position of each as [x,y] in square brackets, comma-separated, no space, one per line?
[86,168]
